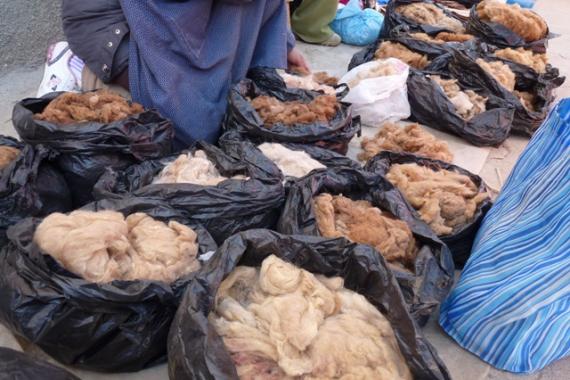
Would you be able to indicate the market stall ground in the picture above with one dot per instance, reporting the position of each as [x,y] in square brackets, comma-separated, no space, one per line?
[493,164]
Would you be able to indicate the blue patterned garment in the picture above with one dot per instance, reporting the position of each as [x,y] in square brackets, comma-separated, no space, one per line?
[511,306]
[185,55]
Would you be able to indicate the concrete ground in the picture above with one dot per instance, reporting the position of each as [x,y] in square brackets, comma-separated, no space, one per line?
[493,164]
[26,28]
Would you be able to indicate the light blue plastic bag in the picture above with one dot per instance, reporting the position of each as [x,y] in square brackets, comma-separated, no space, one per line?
[522,3]
[356,26]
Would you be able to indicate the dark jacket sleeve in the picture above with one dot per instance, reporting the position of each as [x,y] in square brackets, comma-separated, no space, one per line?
[97,32]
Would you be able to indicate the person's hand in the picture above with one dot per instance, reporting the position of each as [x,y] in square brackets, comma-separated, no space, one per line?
[296,60]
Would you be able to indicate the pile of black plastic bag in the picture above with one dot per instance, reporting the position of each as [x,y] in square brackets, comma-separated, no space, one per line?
[124,325]
[505,112]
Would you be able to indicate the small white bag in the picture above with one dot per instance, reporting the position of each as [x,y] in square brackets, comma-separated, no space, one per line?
[379,99]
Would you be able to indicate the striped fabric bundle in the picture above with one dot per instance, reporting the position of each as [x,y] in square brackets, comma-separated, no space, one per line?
[511,306]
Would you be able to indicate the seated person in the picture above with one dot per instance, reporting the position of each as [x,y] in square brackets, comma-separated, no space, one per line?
[180,57]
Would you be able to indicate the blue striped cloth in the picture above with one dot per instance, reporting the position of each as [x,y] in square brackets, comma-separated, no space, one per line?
[511,306]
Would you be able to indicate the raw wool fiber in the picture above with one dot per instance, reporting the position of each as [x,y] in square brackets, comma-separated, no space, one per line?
[444,199]
[385,69]
[500,71]
[191,168]
[101,106]
[299,70]
[322,77]
[273,111]
[104,246]
[454,37]
[283,322]
[7,155]
[388,49]
[527,100]
[430,14]
[411,139]
[523,22]
[292,163]
[361,222]
[442,37]
[525,57]
[306,83]
[467,103]
[426,37]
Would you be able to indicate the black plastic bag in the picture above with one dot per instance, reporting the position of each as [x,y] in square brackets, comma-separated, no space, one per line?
[468,3]
[242,117]
[229,207]
[438,54]
[430,106]
[16,365]
[461,240]
[465,3]
[327,157]
[114,327]
[272,83]
[527,77]
[434,271]
[86,149]
[499,35]
[394,19]
[29,186]
[464,67]
[540,84]
[11,142]
[195,350]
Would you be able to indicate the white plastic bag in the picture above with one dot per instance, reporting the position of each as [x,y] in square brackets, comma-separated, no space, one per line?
[379,99]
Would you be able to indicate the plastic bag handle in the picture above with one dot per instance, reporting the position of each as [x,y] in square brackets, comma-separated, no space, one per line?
[343,92]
